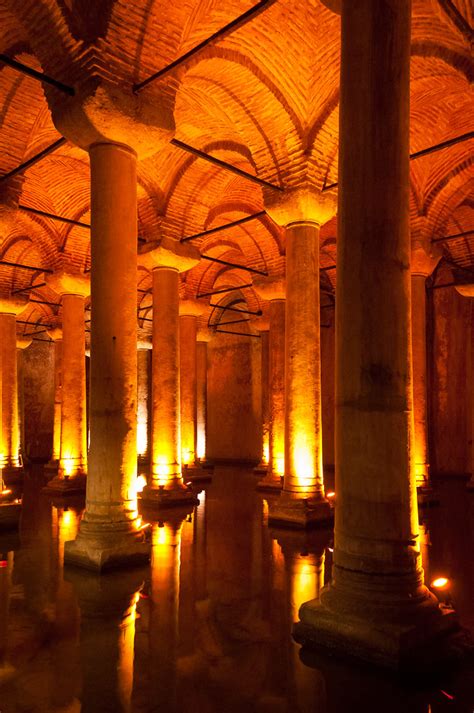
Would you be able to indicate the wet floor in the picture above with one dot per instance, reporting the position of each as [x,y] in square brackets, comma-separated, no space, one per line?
[206,628]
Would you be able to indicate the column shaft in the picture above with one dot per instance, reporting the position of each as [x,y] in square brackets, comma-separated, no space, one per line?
[188,394]
[303,438]
[201,396]
[73,449]
[277,388]
[418,321]
[264,343]
[143,405]
[9,374]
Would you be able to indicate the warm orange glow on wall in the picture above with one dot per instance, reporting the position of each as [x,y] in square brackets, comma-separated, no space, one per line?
[266,448]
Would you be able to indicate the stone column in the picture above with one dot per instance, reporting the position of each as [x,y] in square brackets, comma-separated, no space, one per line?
[166,258]
[22,343]
[143,401]
[468,291]
[274,292]
[189,311]
[203,337]
[376,607]
[73,289]
[422,265]
[262,325]
[11,460]
[302,502]
[56,334]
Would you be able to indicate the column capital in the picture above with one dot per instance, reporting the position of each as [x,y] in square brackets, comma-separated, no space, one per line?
[190,308]
[261,324]
[12,305]
[465,290]
[424,258]
[105,113]
[23,342]
[144,344]
[66,283]
[270,288]
[303,204]
[168,253]
[203,335]
[55,333]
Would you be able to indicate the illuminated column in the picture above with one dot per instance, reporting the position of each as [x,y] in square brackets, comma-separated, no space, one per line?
[262,325]
[109,533]
[189,311]
[468,291]
[203,337]
[274,292]
[166,259]
[143,401]
[10,461]
[422,265]
[302,502]
[73,289]
[22,343]
[376,607]
[56,334]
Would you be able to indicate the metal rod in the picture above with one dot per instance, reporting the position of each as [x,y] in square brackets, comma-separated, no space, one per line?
[25,267]
[40,76]
[445,284]
[28,289]
[224,164]
[239,334]
[32,334]
[425,152]
[326,269]
[42,302]
[37,339]
[452,237]
[219,228]
[53,216]
[34,159]
[223,32]
[35,324]
[233,264]
[232,321]
[224,289]
[235,309]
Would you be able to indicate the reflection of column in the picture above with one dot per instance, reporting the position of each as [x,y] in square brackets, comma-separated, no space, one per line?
[10,452]
[143,401]
[6,567]
[109,533]
[166,259]
[377,573]
[107,637]
[302,502]
[262,325]
[73,288]
[274,292]
[56,334]
[203,337]
[189,311]
[22,343]
[422,265]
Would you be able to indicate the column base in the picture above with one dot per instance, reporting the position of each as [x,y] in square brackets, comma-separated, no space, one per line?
[9,515]
[426,496]
[13,475]
[261,469]
[300,513]
[196,473]
[51,468]
[270,482]
[66,486]
[429,634]
[174,497]
[105,546]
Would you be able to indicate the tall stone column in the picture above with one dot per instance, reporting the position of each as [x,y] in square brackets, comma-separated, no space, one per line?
[73,289]
[11,461]
[422,265]
[143,401]
[302,502]
[274,292]
[262,325]
[22,343]
[189,311]
[468,291]
[203,337]
[376,607]
[56,334]
[166,259]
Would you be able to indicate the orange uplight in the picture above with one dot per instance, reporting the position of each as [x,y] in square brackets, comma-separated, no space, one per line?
[7,491]
[331,494]
[440,583]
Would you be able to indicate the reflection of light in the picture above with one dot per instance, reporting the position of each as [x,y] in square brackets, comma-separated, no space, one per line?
[440,582]
[162,535]
[448,695]
[67,518]
[7,491]
[186,456]
[142,437]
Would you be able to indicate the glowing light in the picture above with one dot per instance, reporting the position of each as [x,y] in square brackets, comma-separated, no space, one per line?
[3,563]
[201,442]
[7,491]
[162,535]
[266,450]
[331,494]
[330,549]
[67,465]
[67,518]
[448,695]
[280,465]
[142,437]
[140,483]
[440,583]
[187,456]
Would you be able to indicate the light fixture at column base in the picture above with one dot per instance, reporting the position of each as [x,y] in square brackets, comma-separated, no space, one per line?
[100,548]
[300,513]
[161,498]
[9,515]
[270,482]
[13,475]
[66,486]
[422,641]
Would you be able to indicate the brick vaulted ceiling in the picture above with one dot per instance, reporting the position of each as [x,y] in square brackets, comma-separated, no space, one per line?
[264,98]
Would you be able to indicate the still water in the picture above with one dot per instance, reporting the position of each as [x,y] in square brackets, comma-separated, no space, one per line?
[206,627]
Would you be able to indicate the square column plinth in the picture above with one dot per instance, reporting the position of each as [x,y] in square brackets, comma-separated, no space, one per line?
[65,485]
[156,498]
[13,475]
[102,546]
[300,513]
[9,515]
